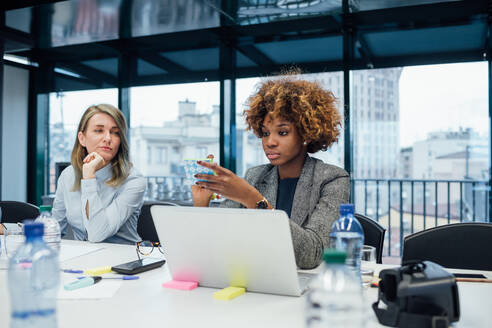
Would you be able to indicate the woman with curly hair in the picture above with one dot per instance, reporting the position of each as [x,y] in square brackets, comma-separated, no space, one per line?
[292,117]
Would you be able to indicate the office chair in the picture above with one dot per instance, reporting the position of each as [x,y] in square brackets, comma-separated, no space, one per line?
[373,234]
[145,226]
[459,246]
[13,211]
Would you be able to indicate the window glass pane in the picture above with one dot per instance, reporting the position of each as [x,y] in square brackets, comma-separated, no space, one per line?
[362,5]
[257,12]
[249,148]
[170,123]
[421,146]
[166,16]
[66,109]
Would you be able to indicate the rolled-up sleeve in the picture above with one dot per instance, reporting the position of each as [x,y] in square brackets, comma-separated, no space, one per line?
[312,237]
[105,221]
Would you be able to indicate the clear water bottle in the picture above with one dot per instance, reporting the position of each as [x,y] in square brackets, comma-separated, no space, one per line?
[335,296]
[347,235]
[52,234]
[33,279]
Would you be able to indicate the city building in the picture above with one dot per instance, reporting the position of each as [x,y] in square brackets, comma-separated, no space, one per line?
[159,151]
[405,161]
[454,165]
[442,143]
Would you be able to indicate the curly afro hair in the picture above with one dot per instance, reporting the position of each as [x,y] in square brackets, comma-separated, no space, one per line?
[312,110]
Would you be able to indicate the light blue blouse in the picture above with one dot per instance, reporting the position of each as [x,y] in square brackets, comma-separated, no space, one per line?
[113,212]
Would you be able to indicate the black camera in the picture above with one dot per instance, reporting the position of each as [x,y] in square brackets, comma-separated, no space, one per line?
[419,294]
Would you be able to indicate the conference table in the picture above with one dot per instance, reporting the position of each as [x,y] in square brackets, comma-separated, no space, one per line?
[145,303]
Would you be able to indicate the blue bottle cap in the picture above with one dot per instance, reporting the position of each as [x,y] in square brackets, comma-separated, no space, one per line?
[346,209]
[33,229]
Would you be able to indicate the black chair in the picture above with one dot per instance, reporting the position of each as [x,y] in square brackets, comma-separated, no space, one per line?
[13,211]
[373,234]
[59,167]
[460,246]
[145,226]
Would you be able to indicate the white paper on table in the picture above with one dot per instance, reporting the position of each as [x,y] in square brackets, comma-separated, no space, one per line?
[4,262]
[68,252]
[106,288]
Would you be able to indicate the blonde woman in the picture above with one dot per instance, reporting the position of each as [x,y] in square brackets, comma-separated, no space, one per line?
[100,194]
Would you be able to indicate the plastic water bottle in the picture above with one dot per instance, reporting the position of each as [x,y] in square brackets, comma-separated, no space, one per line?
[347,235]
[335,296]
[33,279]
[52,234]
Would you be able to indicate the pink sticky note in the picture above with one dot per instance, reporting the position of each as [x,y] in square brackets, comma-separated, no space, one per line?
[25,265]
[182,285]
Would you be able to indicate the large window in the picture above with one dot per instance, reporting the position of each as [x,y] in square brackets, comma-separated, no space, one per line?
[249,149]
[421,141]
[66,109]
[170,123]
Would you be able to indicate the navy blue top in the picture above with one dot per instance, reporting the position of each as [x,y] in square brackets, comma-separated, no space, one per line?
[285,194]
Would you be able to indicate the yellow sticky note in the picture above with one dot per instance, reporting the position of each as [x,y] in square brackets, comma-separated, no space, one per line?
[229,293]
[97,271]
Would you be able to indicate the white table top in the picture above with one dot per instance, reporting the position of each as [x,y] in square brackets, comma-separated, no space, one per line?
[144,303]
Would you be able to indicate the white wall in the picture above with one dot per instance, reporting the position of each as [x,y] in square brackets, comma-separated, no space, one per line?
[14,133]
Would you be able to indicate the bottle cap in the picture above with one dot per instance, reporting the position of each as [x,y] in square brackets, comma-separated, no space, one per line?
[33,229]
[334,256]
[346,209]
[45,208]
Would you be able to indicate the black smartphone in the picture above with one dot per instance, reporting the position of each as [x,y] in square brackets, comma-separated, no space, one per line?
[469,275]
[138,266]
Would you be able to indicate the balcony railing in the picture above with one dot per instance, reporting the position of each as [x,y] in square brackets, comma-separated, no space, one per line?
[402,206]
[168,188]
[405,206]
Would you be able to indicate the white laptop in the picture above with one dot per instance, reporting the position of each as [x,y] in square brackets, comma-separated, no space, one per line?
[222,247]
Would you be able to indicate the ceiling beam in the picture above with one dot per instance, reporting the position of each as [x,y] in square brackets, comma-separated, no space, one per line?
[420,16]
[17,4]
[95,84]
[10,34]
[314,67]
[191,76]
[255,55]
[162,62]
[427,59]
[131,48]
[89,72]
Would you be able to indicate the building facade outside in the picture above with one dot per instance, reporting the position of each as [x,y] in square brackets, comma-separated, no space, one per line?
[460,155]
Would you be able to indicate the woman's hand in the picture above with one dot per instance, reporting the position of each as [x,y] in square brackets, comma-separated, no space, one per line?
[229,185]
[201,196]
[92,163]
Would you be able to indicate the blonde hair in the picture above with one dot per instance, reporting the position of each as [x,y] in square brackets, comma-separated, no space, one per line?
[121,164]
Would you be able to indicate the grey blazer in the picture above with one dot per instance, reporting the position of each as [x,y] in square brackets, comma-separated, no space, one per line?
[320,191]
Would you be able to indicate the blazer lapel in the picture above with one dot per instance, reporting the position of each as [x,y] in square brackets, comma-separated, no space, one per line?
[302,196]
[268,186]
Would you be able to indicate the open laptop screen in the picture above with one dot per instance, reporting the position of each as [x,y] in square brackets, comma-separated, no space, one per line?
[220,247]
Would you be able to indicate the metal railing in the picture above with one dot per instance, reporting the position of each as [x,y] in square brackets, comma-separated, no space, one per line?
[419,204]
[168,188]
